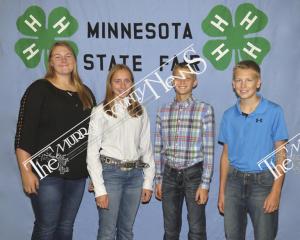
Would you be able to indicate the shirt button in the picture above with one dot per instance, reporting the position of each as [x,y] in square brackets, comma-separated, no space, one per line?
[76,105]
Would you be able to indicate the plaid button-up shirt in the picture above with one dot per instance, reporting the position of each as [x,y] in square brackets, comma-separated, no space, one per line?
[185,136]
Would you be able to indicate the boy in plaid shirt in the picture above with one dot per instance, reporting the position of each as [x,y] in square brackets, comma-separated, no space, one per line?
[184,152]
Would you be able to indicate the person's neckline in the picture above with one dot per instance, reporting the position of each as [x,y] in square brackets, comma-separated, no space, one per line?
[185,102]
[60,89]
[253,108]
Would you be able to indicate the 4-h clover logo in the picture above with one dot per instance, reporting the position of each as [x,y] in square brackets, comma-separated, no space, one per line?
[233,37]
[32,23]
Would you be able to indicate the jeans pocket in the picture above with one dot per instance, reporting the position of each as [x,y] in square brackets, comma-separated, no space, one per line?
[108,168]
[195,176]
[230,176]
[138,173]
[110,172]
[266,179]
[168,174]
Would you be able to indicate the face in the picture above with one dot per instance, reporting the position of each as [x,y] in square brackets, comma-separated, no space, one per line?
[62,60]
[245,83]
[185,83]
[121,82]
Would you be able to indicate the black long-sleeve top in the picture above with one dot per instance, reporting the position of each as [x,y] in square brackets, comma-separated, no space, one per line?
[46,115]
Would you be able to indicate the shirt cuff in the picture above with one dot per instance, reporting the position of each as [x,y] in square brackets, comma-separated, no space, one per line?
[148,184]
[204,184]
[100,191]
[158,179]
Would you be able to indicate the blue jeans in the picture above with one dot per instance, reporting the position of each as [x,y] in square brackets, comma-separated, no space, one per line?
[177,186]
[55,208]
[124,190]
[246,193]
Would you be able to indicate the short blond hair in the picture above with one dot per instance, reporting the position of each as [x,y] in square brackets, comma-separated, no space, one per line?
[247,64]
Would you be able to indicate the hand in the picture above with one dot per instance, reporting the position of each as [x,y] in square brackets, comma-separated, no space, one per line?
[30,182]
[158,192]
[91,186]
[201,196]
[272,201]
[102,201]
[146,195]
[221,202]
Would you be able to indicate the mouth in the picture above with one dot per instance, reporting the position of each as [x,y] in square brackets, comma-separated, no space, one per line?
[243,91]
[122,93]
[181,87]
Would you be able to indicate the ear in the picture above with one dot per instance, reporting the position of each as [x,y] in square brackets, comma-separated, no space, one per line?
[258,84]
[232,83]
[195,83]
[173,82]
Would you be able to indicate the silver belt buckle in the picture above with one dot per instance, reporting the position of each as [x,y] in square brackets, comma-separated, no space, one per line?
[124,168]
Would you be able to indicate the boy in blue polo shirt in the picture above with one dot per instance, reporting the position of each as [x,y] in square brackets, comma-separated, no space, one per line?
[250,130]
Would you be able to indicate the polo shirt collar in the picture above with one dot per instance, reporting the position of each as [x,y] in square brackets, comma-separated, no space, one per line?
[184,103]
[261,107]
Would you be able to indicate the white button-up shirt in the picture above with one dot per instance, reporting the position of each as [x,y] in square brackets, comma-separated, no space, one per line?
[125,138]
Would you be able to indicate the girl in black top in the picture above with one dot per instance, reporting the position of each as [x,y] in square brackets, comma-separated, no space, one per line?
[51,144]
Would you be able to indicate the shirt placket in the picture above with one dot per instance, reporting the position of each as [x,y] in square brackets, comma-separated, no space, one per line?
[178,118]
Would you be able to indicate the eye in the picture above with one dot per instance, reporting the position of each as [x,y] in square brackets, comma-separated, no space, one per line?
[127,81]
[116,80]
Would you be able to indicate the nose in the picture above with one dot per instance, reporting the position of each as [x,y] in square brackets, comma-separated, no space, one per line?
[244,84]
[63,59]
[123,84]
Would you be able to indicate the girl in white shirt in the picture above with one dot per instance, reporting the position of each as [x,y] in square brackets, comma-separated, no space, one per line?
[119,156]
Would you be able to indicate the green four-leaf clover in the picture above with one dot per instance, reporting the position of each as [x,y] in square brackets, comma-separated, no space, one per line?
[233,36]
[32,23]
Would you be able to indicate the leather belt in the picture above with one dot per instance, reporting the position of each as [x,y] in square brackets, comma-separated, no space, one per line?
[123,165]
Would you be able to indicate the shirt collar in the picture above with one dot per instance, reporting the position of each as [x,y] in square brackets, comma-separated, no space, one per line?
[261,107]
[184,103]
[121,106]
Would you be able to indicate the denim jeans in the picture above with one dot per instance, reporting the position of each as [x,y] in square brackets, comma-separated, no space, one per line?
[178,185]
[124,190]
[55,208]
[246,193]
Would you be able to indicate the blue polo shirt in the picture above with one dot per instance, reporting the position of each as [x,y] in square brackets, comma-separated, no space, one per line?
[251,138]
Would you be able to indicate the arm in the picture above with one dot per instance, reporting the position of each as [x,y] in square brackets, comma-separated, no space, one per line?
[224,165]
[159,162]
[280,135]
[27,132]
[146,150]
[208,152]
[272,201]
[93,163]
